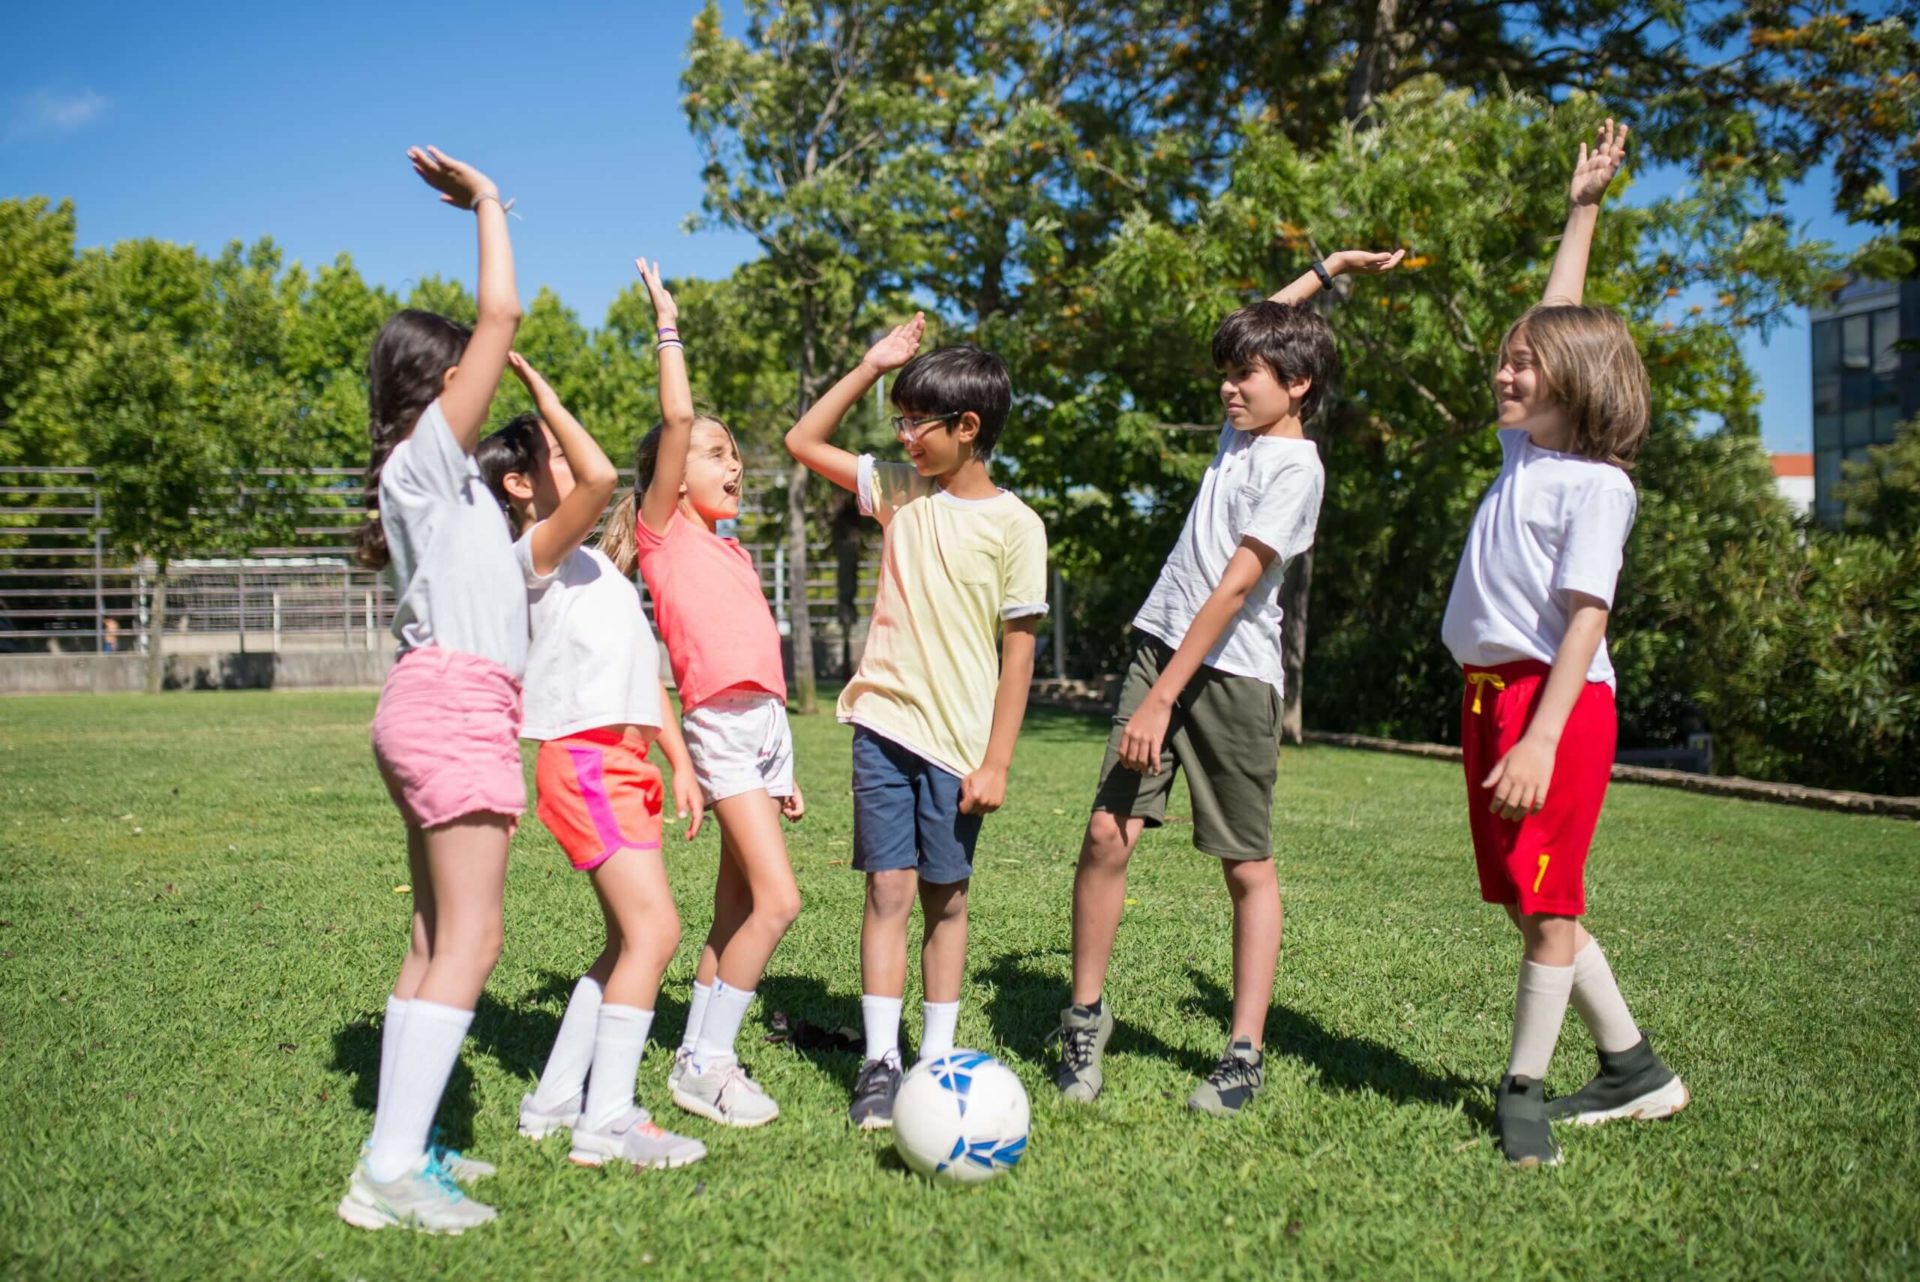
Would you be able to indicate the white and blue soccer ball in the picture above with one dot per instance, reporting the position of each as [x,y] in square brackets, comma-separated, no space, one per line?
[961,1118]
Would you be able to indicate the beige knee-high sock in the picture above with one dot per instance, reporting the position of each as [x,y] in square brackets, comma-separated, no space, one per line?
[1539,1008]
[1599,1002]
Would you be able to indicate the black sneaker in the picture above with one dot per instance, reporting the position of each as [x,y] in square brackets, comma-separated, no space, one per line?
[1632,1083]
[1083,1038]
[1233,1083]
[1520,1123]
[873,1092]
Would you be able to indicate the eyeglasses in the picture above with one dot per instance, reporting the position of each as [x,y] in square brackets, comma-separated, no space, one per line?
[910,430]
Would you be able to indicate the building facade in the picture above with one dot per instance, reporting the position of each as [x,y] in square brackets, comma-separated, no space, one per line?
[1864,385]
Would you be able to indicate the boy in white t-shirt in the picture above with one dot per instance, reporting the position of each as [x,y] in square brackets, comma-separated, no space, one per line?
[1204,687]
[1527,621]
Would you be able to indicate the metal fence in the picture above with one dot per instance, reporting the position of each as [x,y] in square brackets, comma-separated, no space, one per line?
[64,589]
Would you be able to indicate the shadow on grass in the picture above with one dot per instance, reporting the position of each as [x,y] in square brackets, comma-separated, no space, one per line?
[1025,1012]
[1347,1063]
[801,999]
[356,1051]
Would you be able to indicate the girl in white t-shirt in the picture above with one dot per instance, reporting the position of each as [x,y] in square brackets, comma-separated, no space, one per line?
[596,704]
[446,734]
[1527,621]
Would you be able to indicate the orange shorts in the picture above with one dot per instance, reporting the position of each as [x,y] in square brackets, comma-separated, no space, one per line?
[599,793]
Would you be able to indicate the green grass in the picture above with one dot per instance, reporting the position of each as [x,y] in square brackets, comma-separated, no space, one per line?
[198,921]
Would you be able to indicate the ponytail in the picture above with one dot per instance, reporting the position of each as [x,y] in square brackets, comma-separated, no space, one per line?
[619,539]
[405,371]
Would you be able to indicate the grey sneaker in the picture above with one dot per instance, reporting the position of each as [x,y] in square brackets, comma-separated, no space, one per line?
[632,1137]
[1633,1083]
[1083,1040]
[1520,1123]
[1233,1083]
[537,1123]
[873,1092]
[723,1093]
[424,1198]
[463,1168]
[682,1064]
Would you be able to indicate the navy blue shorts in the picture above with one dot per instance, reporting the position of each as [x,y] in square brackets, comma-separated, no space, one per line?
[906,813]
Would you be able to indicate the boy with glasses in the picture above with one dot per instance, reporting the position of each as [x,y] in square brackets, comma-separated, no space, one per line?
[936,704]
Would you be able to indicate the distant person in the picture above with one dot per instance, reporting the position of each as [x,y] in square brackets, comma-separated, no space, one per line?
[1527,621]
[1203,691]
[109,635]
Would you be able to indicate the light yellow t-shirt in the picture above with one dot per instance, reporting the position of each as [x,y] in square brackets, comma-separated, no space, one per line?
[951,570]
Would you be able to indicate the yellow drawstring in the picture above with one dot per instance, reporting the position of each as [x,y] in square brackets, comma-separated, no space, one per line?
[1480,680]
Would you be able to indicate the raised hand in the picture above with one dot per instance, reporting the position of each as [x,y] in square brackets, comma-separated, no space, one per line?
[528,375]
[458,183]
[1596,168]
[898,347]
[665,311]
[1373,262]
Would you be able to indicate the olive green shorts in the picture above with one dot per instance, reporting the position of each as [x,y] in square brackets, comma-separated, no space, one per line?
[1225,733]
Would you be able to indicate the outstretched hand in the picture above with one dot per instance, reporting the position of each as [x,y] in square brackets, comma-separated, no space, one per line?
[458,183]
[665,310]
[898,347]
[528,375]
[1373,262]
[1596,168]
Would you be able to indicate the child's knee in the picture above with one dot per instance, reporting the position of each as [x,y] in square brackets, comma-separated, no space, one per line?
[890,894]
[780,909]
[473,947]
[1106,840]
[1250,877]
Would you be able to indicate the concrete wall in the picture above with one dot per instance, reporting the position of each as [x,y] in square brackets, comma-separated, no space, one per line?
[112,673]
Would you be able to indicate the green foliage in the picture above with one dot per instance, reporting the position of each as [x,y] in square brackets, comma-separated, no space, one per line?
[1880,493]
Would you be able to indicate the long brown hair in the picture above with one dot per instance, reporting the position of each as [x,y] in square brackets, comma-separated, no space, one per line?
[405,371]
[618,537]
[1591,369]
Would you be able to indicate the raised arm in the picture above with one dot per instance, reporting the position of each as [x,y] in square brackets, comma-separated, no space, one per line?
[676,404]
[468,396]
[594,477]
[810,441]
[1567,283]
[1372,262]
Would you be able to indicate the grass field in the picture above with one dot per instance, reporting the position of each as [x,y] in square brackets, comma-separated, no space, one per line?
[199,915]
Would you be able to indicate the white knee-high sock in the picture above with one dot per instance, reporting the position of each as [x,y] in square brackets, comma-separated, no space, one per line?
[572,1054]
[389,1047]
[726,1011]
[429,1045]
[1599,1002]
[696,1013]
[619,1042]
[881,1016]
[1539,1008]
[936,1032]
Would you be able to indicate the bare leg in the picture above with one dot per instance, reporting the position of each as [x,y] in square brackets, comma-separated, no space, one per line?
[1548,940]
[883,932]
[413,968]
[1099,898]
[1255,892]
[750,824]
[643,930]
[467,863]
[732,901]
[943,949]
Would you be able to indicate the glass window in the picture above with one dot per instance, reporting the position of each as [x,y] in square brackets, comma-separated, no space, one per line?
[1826,347]
[1886,332]
[1858,428]
[1885,390]
[1826,393]
[1826,431]
[1856,341]
[1856,389]
[1885,419]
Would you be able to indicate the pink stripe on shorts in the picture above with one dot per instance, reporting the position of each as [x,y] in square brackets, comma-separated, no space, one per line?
[447,737]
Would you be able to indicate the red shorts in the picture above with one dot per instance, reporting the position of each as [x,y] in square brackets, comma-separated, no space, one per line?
[599,793]
[1538,862]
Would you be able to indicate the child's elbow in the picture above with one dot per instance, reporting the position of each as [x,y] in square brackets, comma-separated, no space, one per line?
[796,446]
[504,311]
[599,480]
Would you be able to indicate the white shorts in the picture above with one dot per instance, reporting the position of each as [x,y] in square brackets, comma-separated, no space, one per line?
[739,741]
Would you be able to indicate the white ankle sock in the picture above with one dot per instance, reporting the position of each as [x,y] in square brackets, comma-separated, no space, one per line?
[1539,1008]
[936,1034]
[619,1041]
[389,1047]
[428,1047]
[881,1016]
[696,1012]
[1599,1002]
[572,1053]
[726,1011]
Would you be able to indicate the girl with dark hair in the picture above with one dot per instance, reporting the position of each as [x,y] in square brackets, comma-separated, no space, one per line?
[446,734]
[596,705]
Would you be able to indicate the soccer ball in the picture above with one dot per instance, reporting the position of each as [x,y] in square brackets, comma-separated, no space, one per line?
[961,1118]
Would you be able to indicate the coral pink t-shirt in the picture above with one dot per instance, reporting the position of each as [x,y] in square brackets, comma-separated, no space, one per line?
[711,612]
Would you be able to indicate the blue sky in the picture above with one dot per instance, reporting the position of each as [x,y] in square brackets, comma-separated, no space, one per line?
[291,121]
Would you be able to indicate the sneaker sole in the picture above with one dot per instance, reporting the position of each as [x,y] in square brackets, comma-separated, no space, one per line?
[700,1108]
[1536,1163]
[580,1157]
[1079,1092]
[875,1124]
[362,1216]
[1656,1105]
[540,1132]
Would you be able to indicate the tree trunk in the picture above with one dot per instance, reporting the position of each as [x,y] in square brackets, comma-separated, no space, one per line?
[1295,590]
[156,630]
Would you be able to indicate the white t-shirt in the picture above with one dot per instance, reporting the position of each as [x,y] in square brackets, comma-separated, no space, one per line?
[459,583]
[1550,524]
[594,660]
[1264,487]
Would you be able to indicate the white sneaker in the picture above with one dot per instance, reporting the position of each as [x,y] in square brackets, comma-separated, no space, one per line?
[537,1123]
[723,1093]
[424,1198]
[633,1137]
[466,1169]
[682,1065]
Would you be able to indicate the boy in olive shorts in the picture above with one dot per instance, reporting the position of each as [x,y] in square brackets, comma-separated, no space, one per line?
[1202,693]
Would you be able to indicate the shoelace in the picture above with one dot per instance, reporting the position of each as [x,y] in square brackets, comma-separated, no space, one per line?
[438,1173]
[1076,1047]
[873,1079]
[1232,1071]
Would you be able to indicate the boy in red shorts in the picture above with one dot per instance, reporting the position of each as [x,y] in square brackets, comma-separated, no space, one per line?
[1527,620]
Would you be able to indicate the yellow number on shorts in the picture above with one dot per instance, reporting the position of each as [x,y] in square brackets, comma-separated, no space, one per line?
[1542,874]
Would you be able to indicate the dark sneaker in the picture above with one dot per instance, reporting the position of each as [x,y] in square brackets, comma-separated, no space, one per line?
[1632,1083]
[873,1092]
[1083,1039]
[1233,1083]
[1520,1123]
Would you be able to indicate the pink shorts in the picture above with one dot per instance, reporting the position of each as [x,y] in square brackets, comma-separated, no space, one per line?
[447,737]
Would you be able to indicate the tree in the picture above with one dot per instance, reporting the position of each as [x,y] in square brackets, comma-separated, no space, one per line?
[1880,494]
